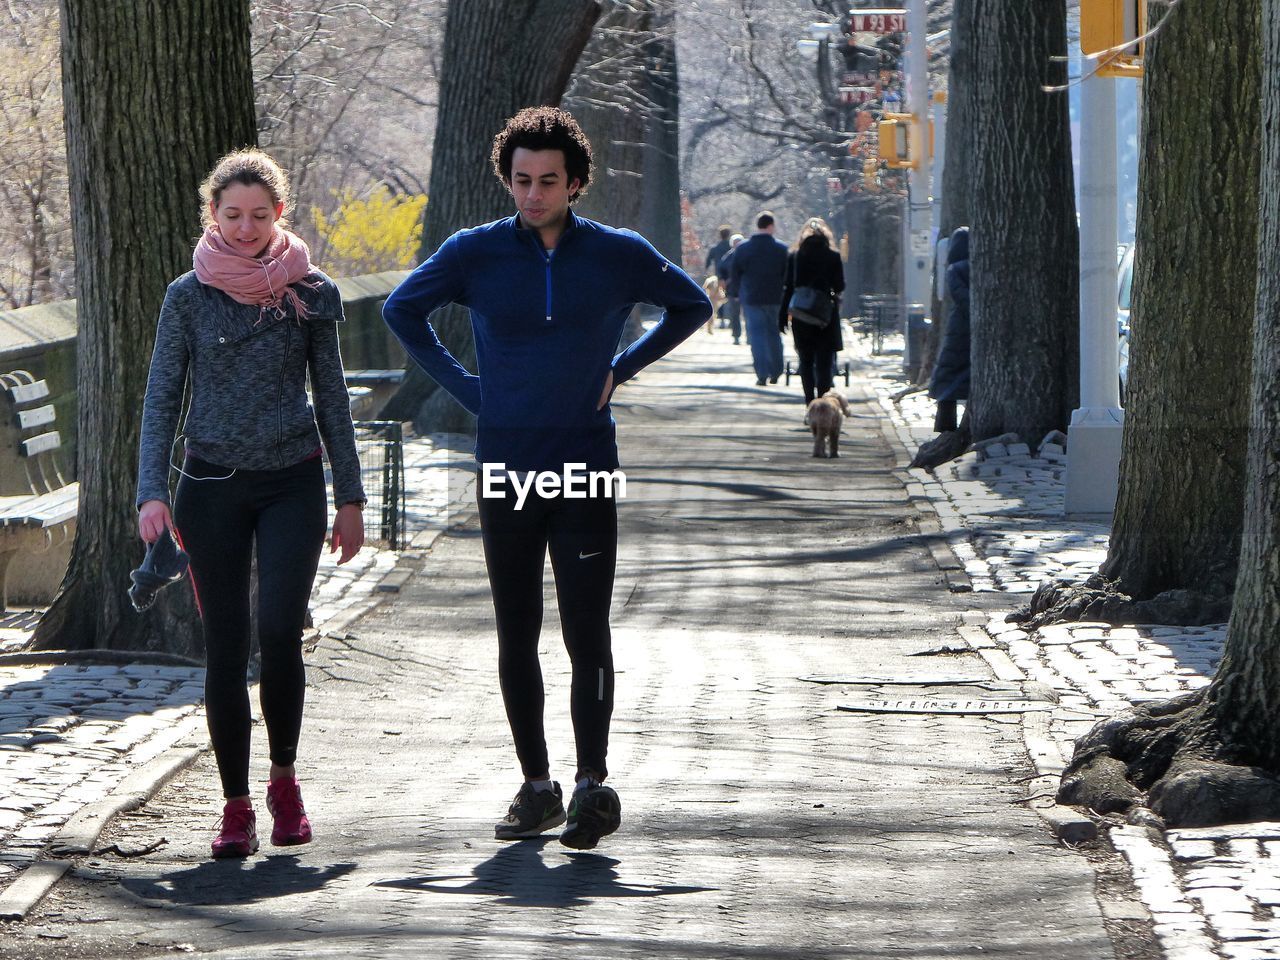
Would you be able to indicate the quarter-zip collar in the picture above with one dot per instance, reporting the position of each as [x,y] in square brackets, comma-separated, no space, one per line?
[571,223]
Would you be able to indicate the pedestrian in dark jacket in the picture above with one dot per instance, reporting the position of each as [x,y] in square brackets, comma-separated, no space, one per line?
[756,272]
[732,306]
[950,381]
[549,293]
[814,263]
[718,251]
[246,330]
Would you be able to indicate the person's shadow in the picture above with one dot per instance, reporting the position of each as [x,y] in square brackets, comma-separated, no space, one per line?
[232,882]
[518,876]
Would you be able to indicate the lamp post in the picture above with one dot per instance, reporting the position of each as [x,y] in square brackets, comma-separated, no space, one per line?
[1094,437]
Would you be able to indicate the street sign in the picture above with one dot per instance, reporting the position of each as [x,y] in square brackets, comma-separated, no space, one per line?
[885,20]
[853,95]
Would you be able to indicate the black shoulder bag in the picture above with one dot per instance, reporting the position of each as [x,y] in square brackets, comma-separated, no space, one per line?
[810,305]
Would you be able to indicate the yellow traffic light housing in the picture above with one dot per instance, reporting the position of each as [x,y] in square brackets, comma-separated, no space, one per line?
[1113,25]
[900,136]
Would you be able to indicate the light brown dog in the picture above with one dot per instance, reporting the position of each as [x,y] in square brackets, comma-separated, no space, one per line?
[715,293]
[825,416]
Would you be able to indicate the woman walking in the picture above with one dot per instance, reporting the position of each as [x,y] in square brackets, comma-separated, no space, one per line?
[246,327]
[814,264]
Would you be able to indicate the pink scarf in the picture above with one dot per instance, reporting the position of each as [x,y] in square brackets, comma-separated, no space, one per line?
[266,281]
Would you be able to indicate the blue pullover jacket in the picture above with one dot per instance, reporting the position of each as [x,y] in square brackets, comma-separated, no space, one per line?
[546,327]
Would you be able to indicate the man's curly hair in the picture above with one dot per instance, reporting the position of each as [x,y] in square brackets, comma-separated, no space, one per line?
[544,128]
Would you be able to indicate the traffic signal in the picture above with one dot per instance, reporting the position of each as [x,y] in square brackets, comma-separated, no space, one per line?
[1107,25]
[900,140]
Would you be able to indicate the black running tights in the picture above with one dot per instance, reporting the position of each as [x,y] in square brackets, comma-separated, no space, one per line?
[218,522]
[815,370]
[583,539]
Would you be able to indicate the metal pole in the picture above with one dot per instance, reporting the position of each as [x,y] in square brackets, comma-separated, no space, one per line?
[1093,445]
[917,252]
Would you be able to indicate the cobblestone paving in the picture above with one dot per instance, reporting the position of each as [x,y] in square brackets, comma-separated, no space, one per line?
[69,734]
[1213,891]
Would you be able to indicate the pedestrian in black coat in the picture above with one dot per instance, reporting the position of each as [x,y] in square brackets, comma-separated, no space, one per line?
[950,381]
[815,263]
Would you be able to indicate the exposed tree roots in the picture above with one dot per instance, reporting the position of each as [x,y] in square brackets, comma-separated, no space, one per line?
[1061,601]
[943,448]
[1168,756]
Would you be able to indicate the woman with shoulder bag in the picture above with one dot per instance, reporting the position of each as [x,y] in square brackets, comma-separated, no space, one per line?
[811,303]
[247,327]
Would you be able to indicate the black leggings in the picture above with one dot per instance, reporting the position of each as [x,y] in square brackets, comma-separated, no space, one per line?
[219,521]
[583,537]
[815,370]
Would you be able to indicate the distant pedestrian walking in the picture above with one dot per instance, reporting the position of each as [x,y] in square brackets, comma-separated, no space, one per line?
[950,380]
[732,306]
[549,292]
[719,249]
[247,328]
[814,267]
[757,272]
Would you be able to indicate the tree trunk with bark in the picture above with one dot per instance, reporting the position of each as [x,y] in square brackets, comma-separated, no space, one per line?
[1214,757]
[626,98]
[1024,241]
[956,175]
[1179,507]
[494,65]
[154,92]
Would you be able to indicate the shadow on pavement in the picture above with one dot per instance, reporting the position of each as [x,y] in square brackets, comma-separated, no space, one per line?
[234,882]
[518,875]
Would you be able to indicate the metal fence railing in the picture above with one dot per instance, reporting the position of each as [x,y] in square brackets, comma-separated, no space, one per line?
[878,315]
[380,447]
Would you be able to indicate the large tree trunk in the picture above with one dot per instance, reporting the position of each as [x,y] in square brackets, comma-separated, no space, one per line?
[626,98]
[1246,690]
[1024,240]
[953,179]
[956,177]
[660,209]
[494,65]
[1178,512]
[154,93]
[957,168]
[1214,757]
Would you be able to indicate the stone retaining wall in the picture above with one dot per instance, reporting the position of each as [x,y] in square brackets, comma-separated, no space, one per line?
[42,340]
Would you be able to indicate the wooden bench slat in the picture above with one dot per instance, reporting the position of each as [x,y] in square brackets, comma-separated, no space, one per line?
[35,416]
[42,510]
[41,443]
[27,392]
[363,377]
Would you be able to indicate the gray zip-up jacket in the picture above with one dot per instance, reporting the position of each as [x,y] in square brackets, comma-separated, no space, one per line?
[248,369]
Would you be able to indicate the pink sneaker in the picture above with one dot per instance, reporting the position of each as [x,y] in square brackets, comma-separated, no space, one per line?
[284,800]
[238,834]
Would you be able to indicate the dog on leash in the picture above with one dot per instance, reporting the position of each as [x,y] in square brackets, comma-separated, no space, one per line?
[825,416]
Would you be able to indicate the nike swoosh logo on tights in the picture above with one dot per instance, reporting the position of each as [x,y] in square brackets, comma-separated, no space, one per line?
[588,556]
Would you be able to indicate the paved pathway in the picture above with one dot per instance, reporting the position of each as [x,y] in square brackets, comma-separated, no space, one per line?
[71,732]
[1212,892]
[759,820]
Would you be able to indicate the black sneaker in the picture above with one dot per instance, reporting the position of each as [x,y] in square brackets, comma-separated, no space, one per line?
[594,812]
[532,812]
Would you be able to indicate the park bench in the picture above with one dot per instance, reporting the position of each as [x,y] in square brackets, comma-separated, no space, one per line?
[370,389]
[37,505]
